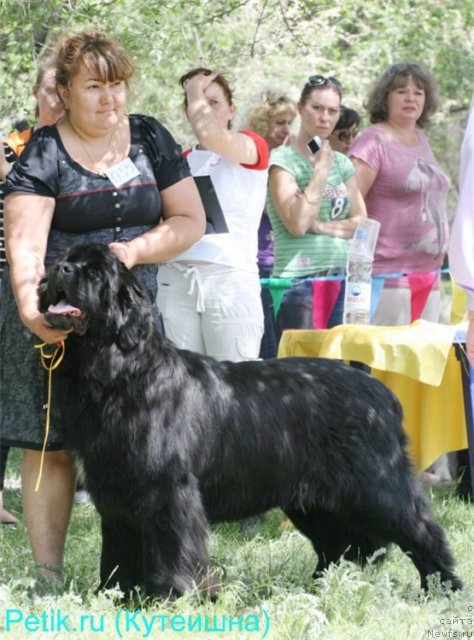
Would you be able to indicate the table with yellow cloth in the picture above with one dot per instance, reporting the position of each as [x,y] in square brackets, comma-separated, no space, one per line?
[417,362]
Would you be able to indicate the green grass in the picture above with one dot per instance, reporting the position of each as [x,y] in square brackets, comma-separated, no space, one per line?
[266,576]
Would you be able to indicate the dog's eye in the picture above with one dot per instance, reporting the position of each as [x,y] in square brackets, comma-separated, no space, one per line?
[93,275]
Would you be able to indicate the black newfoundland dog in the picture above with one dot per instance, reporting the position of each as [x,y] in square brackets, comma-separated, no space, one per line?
[171,441]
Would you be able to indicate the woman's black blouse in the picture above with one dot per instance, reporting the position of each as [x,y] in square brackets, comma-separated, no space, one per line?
[86,201]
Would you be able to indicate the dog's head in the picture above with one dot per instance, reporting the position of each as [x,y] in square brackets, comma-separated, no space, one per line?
[90,291]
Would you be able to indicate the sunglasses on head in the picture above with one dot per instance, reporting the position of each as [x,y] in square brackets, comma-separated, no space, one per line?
[404,68]
[322,81]
[347,135]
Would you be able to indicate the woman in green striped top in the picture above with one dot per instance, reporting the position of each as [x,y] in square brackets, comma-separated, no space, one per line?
[314,205]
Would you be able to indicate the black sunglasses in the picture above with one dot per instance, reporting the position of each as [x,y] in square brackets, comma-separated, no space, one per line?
[404,68]
[322,81]
[347,135]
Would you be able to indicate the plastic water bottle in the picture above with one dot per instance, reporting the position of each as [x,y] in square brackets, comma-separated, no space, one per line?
[359,273]
[358,289]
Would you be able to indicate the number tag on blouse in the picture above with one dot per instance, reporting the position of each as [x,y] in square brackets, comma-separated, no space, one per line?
[122,172]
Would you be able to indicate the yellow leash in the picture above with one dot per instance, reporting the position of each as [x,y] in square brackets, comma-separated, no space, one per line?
[50,362]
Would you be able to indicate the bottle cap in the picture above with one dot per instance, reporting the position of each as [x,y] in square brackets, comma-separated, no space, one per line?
[365,237]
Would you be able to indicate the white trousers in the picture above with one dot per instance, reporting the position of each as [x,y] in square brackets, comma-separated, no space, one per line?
[394,308]
[211,309]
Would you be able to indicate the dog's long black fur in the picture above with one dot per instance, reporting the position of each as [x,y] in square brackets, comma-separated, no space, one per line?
[172,441]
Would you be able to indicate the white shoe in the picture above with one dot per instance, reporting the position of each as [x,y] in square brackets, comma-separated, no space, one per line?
[82,497]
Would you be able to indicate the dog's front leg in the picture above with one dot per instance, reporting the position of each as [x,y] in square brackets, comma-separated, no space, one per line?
[175,533]
[121,559]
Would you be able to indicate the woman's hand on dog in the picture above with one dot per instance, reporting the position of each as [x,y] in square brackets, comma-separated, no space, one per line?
[38,325]
[124,252]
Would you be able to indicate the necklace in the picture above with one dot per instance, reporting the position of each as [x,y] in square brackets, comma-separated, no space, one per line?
[95,163]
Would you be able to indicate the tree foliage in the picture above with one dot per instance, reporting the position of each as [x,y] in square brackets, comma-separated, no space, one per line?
[258,42]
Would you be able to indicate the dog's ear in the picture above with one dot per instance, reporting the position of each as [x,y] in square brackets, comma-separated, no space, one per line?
[136,317]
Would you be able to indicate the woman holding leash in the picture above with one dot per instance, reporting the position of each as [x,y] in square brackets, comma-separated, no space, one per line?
[97,176]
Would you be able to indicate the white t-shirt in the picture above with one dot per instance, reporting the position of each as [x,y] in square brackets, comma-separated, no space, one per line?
[241,191]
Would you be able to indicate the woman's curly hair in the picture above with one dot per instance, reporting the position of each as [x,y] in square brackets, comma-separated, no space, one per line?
[269,103]
[395,77]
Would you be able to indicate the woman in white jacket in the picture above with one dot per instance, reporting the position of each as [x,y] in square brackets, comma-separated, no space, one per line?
[461,251]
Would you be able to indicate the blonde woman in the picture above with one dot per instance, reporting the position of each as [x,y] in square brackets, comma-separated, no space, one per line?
[271,115]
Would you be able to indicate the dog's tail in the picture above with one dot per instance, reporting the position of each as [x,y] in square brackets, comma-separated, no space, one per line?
[425,541]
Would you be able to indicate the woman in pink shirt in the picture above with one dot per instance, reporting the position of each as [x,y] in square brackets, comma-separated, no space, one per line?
[405,190]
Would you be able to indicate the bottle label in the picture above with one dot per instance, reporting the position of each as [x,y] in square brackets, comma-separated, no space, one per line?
[357,296]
